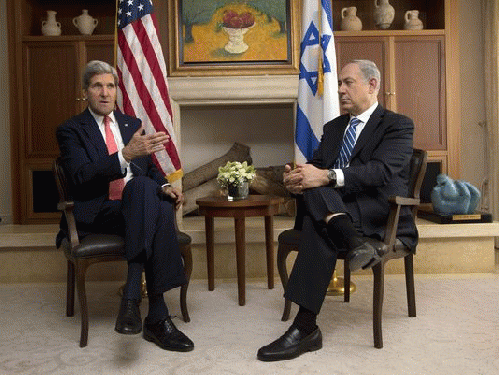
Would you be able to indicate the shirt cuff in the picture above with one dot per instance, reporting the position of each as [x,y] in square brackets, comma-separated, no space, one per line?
[123,163]
[340,178]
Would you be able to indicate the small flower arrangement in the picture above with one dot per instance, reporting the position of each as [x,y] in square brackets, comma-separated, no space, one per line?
[235,173]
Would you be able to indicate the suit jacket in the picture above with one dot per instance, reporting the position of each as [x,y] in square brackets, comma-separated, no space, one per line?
[379,168]
[88,165]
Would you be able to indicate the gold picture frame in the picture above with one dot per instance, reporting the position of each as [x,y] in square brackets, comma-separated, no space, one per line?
[233,37]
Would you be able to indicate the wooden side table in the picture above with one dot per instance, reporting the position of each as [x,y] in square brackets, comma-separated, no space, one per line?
[254,205]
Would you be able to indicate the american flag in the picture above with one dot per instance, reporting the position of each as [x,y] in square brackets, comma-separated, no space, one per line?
[143,89]
[318,85]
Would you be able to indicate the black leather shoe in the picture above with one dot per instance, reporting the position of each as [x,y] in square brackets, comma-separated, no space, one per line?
[129,320]
[167,336]
[365,256]
[290,345]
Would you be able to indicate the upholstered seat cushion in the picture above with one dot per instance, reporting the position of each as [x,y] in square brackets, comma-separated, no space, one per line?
[95,245]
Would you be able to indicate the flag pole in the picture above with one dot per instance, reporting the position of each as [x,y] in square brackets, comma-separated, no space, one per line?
[115,46]
[320,69]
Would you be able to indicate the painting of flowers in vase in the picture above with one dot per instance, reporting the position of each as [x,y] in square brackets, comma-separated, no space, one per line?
[234,31]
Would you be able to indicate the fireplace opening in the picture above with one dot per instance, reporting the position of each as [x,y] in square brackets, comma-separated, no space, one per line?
[209,131]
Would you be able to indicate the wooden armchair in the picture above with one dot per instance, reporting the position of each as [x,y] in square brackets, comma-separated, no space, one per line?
[289,241]
[96,248]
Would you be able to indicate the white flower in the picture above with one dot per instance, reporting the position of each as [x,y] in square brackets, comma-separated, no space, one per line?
[235,173]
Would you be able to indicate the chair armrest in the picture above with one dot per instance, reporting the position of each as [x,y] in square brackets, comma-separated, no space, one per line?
[67,209]
[63,206]
[403,201]
[396,203]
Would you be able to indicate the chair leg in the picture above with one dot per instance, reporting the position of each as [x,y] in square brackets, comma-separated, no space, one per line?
[282,254]
[409,282]
[346,280]
[70,290]
[82,297]
[378,291]
[187,256]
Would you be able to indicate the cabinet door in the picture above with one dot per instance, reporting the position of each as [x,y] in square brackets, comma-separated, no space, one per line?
[420,88]
[100,51]
[366,48]
[50,91]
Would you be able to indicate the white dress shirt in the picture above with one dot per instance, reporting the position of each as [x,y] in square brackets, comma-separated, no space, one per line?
[117,138]
[364,118]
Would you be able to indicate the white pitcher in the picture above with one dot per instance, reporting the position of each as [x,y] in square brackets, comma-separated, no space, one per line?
[349,19]
[51,27]
[412,21]
[384,14]
[85,23]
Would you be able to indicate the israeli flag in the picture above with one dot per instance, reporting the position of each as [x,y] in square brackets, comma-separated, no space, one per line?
[317,101]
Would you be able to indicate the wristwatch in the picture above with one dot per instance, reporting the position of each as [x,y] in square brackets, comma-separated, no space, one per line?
[331,175]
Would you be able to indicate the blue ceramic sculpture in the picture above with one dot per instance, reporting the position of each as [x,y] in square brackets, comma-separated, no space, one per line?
[451,197]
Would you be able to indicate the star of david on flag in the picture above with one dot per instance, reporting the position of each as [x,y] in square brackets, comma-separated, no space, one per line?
[318,80]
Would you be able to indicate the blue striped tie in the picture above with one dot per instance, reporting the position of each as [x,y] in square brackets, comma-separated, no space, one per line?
[348,144]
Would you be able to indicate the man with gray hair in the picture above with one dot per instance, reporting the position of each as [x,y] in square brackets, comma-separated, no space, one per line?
[362,159]
[117,189]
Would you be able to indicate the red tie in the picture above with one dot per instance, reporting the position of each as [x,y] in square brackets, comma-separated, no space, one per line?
[116,186]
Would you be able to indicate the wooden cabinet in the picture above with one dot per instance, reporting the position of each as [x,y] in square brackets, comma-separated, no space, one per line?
[45,91]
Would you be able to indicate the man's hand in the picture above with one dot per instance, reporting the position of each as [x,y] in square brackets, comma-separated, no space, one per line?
[304,176]
[175,194]
[142,145]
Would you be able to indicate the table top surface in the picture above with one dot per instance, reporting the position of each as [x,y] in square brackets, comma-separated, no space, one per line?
[251,201]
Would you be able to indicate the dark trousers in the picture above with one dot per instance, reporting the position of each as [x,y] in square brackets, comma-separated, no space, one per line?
[317,255]
[146,220]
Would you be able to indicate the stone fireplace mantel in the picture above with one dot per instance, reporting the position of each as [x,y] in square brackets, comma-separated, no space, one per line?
[233,89]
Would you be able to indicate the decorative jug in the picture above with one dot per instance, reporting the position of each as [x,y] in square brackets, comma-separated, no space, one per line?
[51,27]
[349,19]
[85,23]
[384,14]
[412,21]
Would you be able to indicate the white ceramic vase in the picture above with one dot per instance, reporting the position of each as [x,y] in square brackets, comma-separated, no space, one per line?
[85,23]
[349,19]
[51,27]
[384,14]
[412,21]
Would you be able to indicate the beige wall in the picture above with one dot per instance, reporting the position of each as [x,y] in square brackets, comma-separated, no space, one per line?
[5,176]
[472,92]
[472,81]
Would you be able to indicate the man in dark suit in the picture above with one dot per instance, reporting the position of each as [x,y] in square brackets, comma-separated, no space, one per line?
[362,159]
[117,189]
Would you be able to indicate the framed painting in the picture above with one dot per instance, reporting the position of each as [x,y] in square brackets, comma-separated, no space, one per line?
[237,37]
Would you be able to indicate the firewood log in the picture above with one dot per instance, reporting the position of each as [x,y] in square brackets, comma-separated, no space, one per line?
[206,172]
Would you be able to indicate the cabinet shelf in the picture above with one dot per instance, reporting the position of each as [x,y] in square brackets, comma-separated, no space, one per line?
[385,33]
[432,13]
[68,38]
